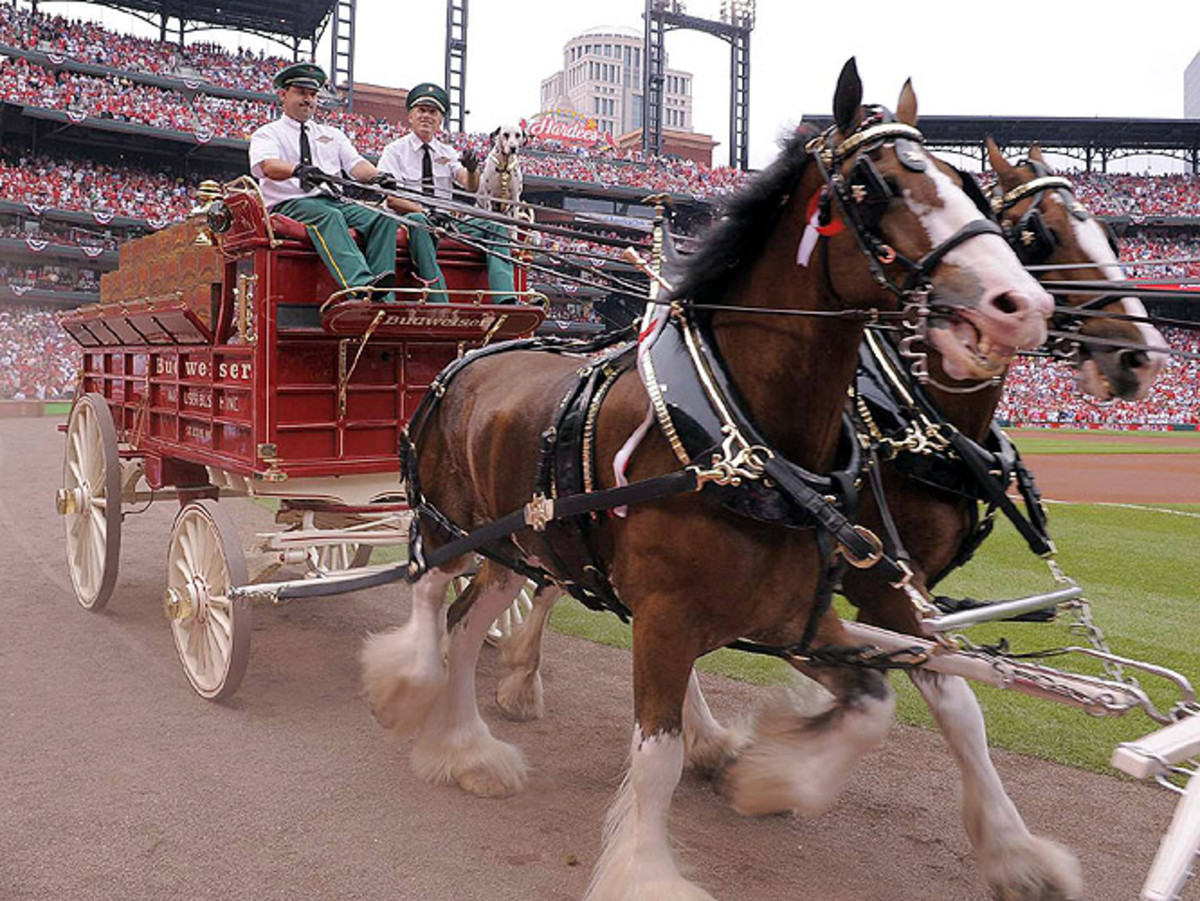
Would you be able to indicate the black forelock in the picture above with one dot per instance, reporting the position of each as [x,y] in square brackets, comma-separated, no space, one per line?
[748,218]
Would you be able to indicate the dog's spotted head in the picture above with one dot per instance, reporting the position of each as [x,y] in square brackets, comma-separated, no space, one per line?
[509,139]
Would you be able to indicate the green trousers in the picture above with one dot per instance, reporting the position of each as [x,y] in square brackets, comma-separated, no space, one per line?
[328,224]
[422,247]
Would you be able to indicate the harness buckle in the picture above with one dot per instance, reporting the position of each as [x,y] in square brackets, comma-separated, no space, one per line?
[873,557]
[732,467]
[539,512]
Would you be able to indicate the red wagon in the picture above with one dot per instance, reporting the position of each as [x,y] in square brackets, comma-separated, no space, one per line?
[216,367]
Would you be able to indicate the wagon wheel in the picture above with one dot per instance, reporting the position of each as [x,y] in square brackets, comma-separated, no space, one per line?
[511,619]
[211,630]
[90,501]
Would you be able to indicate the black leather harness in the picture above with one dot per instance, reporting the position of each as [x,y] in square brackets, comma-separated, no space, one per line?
[929,450]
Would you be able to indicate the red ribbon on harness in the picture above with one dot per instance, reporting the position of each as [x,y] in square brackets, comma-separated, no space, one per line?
[829,229]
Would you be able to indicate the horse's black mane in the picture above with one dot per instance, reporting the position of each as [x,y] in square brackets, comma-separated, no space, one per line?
[749,216]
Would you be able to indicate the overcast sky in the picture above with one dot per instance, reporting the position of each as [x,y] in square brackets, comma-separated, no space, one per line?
[1048,58]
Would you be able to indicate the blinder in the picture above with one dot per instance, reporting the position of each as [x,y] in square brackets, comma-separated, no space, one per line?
[1031,239]
[869,191]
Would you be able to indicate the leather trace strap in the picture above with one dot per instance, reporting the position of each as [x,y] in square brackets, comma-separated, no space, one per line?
[540,511]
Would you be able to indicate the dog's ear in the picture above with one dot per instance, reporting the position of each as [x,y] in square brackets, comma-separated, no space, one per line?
[524,137]
[496,132]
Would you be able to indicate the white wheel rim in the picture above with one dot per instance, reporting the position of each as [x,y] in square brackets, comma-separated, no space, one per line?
[197,569]
[511,619]
[85,477]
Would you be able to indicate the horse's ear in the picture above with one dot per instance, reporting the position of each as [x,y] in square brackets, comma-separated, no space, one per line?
[1000,164]
[1035,154]
[906,107]
[847,98]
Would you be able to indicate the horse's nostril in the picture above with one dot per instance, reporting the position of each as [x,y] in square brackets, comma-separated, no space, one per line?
[1006,304]
[1134,359]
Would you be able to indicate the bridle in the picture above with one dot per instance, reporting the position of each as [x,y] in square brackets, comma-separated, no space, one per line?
[1033,241]
[862,195]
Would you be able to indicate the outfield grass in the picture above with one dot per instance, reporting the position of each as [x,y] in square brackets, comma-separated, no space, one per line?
[1140,571]
[1084,441]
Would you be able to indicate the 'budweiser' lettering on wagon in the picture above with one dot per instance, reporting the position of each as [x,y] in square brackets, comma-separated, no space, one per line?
[240,371]
[165,366]
[195,367]
[450,319]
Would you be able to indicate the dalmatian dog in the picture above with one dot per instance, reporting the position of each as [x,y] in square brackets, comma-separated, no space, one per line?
[500,184]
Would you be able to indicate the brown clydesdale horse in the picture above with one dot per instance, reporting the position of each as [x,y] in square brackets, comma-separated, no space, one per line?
[695,576]
[933,525]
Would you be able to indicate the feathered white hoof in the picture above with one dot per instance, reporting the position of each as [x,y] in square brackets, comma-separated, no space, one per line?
[479,763]
[798,761]
[402,677]
[1034,869]
[519,695]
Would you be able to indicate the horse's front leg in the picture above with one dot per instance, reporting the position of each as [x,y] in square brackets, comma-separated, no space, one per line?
[454,744]
[519,692]
[636,862]
[1018,866]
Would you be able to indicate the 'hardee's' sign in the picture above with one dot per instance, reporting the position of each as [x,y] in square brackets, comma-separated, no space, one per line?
[577,131]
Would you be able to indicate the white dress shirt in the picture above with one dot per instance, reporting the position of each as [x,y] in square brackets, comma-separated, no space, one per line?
[403,158]
[332,152]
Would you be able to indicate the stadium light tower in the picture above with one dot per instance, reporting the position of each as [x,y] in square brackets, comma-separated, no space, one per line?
[734,25]
[456,64]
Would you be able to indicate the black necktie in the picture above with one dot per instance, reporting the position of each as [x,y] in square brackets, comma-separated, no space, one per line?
[426,172]
[305,149]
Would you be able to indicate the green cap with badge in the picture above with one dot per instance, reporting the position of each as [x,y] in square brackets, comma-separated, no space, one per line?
[300,75]
[428,92]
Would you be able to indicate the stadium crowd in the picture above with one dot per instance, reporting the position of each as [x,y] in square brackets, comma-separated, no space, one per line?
[89,42]
[38,359]
[65,184]
[20,278]
[1040,392]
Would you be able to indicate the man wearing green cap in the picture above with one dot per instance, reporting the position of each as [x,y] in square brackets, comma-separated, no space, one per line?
[291,157]
[421,162]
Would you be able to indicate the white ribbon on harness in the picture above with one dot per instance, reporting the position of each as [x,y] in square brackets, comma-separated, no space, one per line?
[653,320]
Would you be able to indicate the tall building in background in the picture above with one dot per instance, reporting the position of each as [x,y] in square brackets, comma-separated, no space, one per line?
[601,80]
[1191,89]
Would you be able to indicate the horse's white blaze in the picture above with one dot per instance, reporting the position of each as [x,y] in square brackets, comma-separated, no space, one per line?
[1015,863]
[988,257]
[1094,243]
[802,750]
[636,863]
[454,743]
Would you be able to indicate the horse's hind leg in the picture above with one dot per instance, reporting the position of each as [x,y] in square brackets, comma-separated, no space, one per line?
[403,670]
[801,750]
[519,692]
[1018,866]
[708,745]
[454,743]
